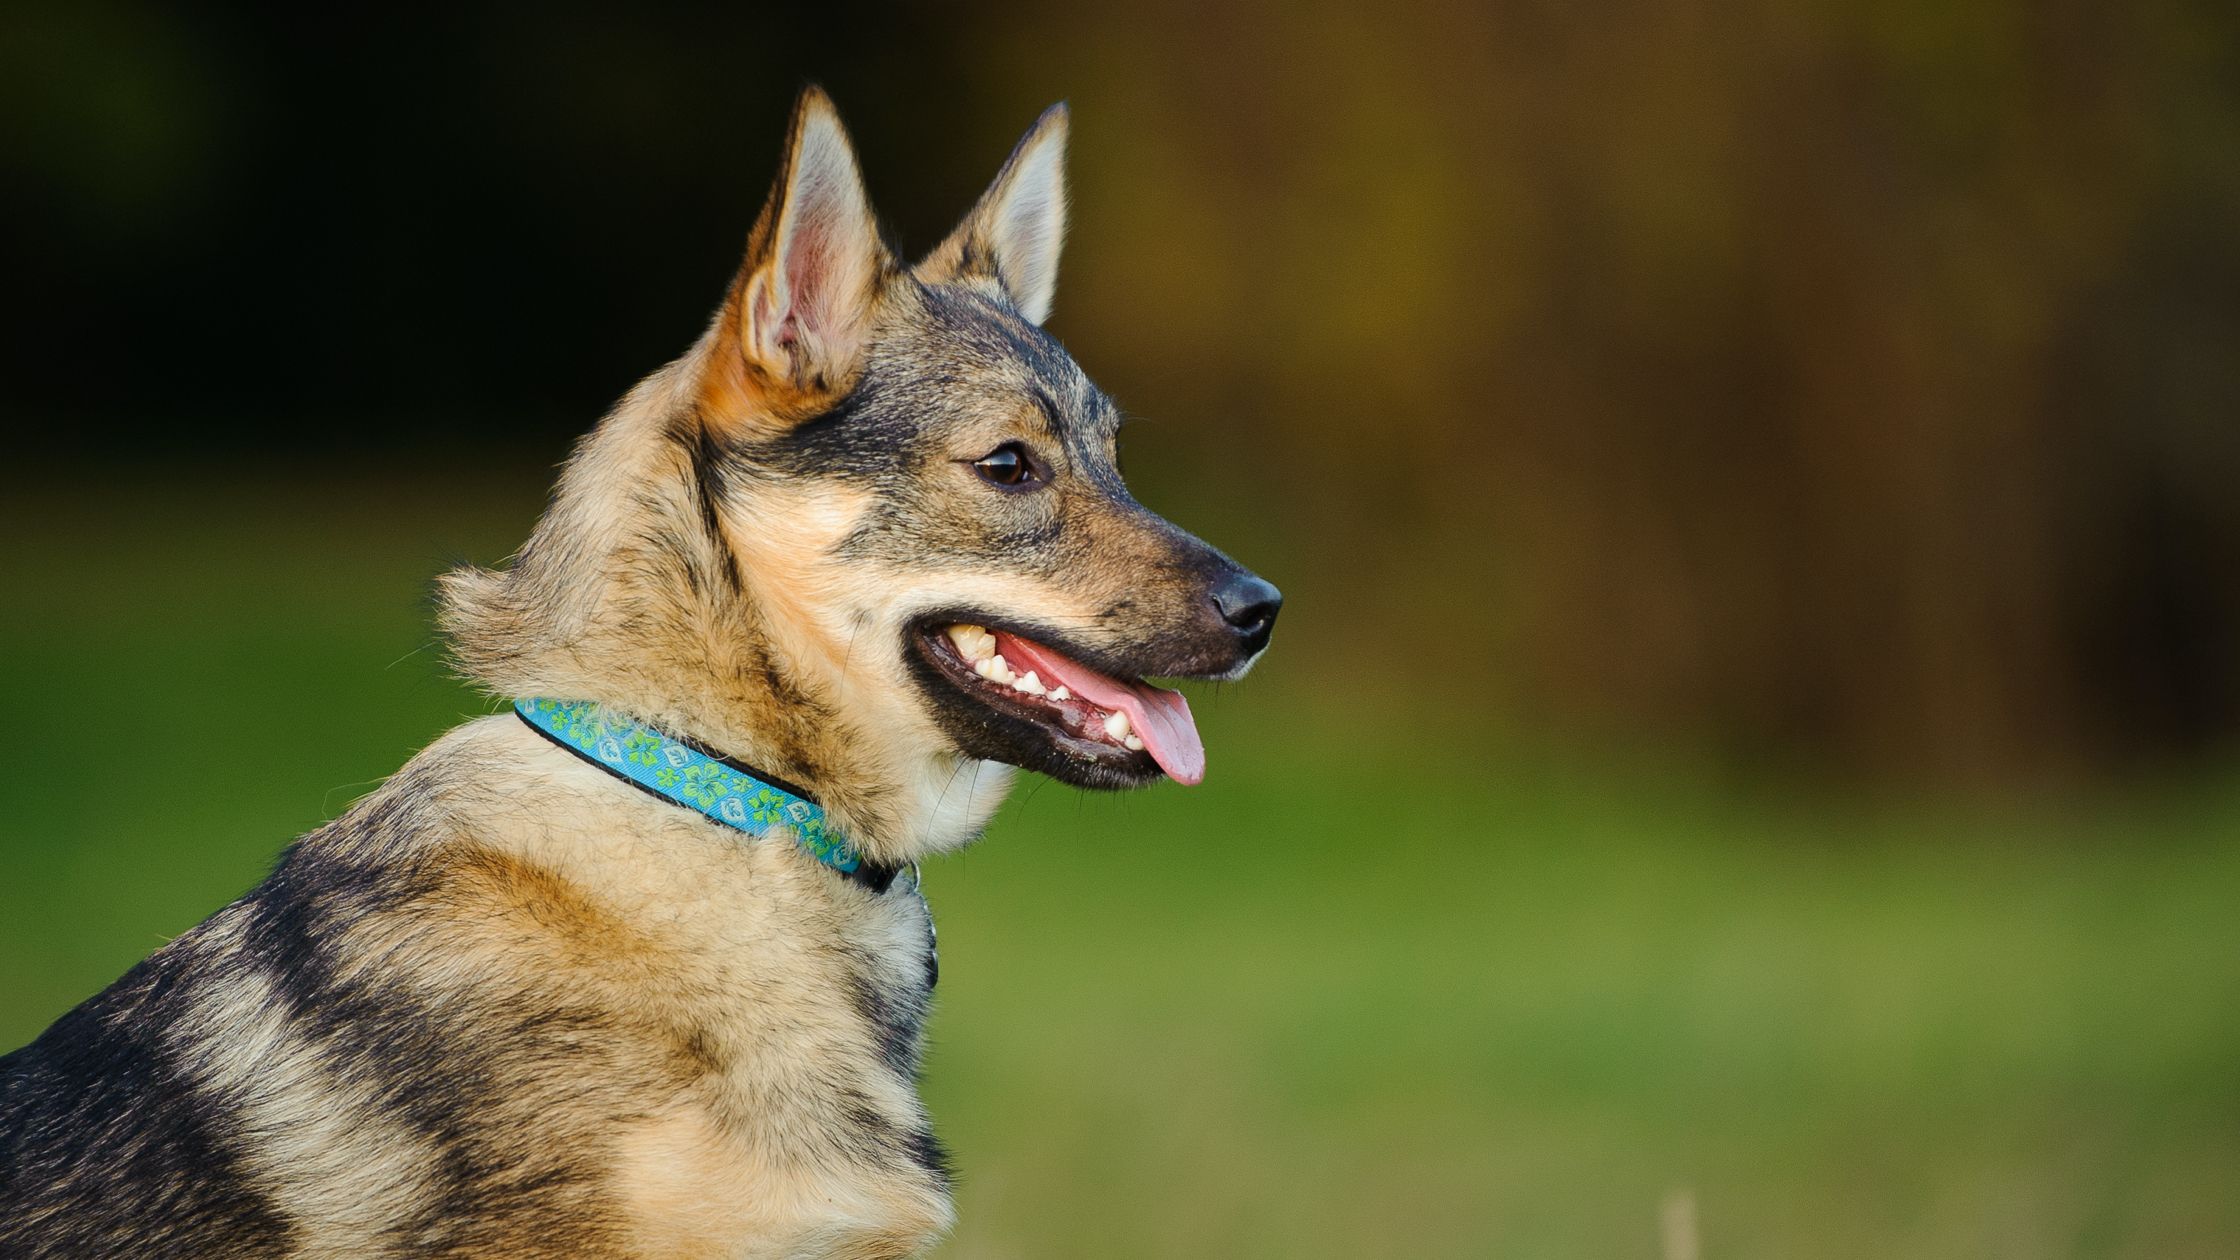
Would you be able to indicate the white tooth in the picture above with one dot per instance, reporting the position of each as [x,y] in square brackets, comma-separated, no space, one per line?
[1060,693]
[1116,725]
[1133,743]
[999,670]
[973,643]
[1028,683]
[983,668]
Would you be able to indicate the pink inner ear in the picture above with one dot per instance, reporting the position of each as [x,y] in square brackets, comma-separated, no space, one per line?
[823,252]
[809,260]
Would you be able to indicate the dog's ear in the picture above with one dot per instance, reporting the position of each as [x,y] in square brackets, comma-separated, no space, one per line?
[802,305]
[1011,239]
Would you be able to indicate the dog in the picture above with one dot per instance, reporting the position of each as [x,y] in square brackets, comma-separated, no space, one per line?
[640,968]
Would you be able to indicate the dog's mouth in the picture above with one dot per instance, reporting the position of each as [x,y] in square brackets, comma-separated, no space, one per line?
[1087,727]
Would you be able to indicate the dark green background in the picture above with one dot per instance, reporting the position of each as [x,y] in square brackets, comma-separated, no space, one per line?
[1753,725]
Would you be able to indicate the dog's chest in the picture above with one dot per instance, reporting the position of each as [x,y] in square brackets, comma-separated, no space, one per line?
[743,1079]
[802,1133]
[687,1185]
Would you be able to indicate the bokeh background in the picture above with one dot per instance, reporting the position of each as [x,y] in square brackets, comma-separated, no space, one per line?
[1748,768]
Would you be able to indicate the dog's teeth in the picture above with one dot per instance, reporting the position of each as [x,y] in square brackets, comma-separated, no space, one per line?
[1028,683]
[1116,726]
[1060,693]
[973,643]
[1133,743]
[984,668]
[999,670]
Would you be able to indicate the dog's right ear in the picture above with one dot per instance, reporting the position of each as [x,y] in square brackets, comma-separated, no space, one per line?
[801,307]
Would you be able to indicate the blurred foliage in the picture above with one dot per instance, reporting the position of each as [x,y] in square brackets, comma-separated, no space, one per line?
[1843,387]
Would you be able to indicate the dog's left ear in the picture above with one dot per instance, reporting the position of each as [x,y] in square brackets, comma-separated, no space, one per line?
[1011,239]
[802,306]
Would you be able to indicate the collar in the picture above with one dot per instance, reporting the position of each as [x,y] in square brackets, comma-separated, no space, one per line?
[683,773]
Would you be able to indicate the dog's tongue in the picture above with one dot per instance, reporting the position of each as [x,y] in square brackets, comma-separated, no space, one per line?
[1161,718]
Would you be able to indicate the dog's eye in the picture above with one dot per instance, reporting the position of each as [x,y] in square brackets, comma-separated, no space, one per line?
[1006,466]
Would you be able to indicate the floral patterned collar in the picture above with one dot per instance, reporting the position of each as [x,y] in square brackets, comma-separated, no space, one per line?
[684,773]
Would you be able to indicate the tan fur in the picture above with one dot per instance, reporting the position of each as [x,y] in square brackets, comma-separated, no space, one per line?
[690,949]
[592,611]
[688,1192]
[738,945]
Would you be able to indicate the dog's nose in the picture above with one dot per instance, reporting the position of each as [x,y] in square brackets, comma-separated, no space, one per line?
[1250,606]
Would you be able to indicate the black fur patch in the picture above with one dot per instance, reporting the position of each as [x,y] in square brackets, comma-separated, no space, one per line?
[878,1140]
[927,1152]
[708,480]
[107,1150]
[896,1022]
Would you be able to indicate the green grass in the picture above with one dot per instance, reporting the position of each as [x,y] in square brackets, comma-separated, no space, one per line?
[1376,989]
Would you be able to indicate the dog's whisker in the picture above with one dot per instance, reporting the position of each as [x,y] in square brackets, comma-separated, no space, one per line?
[409,655]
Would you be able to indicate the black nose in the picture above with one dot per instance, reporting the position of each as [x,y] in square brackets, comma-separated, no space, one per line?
[1250,606]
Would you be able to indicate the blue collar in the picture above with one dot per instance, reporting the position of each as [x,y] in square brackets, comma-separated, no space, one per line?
[683,773]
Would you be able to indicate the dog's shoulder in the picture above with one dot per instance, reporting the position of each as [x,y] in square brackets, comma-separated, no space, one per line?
[504,992]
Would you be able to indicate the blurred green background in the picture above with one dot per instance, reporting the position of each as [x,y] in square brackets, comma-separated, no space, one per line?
[1748,766]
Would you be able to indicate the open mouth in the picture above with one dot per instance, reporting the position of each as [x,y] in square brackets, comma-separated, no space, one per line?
[1105,731]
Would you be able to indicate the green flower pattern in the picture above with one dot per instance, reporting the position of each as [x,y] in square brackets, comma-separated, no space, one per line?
[684,774]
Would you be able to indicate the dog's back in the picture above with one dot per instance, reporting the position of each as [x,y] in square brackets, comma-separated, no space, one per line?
[111,1151]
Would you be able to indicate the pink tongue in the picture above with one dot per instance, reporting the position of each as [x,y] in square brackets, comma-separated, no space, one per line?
[1159,716]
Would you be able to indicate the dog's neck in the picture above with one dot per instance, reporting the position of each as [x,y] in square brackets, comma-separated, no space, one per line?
[628,594]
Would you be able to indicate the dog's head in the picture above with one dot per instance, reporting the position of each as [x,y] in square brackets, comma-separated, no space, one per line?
[925,487]
[871,530]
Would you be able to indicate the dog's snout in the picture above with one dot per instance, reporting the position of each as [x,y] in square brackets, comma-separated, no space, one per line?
[1249,605]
